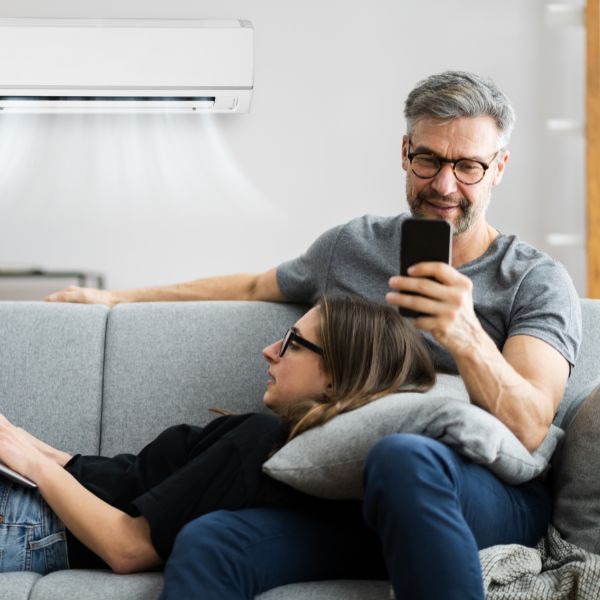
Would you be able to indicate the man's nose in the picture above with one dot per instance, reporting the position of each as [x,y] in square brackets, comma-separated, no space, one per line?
[444,183]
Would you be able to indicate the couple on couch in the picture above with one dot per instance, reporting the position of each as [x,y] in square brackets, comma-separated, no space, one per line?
[504,316]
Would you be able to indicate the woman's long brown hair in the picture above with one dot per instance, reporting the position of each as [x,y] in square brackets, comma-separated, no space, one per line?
[369,351]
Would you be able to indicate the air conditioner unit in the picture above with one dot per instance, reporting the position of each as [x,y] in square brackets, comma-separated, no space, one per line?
[125,65]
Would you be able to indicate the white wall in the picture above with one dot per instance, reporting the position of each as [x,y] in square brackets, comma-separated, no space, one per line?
[157,199]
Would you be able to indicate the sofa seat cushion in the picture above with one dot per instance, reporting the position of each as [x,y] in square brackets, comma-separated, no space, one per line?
[332,590]
[17,586]
[97,585]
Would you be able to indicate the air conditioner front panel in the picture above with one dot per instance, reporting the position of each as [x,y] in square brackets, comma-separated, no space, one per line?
[126,58]
[125,55]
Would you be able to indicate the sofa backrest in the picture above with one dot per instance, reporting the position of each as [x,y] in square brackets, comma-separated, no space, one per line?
[585,376]
[91,380]
[51,369]
[167,363]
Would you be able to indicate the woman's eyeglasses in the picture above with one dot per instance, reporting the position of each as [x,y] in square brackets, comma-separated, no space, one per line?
[291,336]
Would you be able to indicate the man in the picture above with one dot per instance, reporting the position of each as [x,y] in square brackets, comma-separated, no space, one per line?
[504,316]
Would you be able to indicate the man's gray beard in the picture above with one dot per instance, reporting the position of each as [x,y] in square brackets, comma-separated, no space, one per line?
[464,221]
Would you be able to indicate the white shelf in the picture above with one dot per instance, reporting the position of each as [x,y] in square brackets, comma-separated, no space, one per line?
[564,126]
[565,240]
[564,15]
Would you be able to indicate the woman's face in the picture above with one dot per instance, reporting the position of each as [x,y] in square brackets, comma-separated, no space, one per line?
[297,375]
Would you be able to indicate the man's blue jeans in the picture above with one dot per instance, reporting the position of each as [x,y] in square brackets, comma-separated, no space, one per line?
[425,514]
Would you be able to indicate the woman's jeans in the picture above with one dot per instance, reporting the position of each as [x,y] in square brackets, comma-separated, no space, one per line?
[32,537]
[425,514]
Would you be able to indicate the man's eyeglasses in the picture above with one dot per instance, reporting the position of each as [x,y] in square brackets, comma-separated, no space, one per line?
[291,336]
[466,170]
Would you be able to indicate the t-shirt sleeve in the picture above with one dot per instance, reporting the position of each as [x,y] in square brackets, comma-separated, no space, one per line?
[547,307]
[304,279]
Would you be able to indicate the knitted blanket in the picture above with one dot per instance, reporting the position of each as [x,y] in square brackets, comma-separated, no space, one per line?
[553,570]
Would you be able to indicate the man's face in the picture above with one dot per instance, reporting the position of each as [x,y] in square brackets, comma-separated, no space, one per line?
[443,196]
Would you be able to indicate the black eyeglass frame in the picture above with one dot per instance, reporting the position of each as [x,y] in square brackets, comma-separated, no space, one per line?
[443,161]
[292,336]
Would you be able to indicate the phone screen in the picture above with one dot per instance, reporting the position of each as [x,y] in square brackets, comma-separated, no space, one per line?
[424,240]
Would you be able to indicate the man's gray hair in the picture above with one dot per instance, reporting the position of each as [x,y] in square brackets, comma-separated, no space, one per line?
[453,94]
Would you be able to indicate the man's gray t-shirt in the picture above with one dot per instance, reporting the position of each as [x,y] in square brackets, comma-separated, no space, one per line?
[517,290]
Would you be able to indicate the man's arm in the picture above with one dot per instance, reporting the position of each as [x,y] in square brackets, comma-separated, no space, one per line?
[243,286]
[522,385]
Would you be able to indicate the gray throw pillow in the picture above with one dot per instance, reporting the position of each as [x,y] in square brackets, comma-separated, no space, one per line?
[327,461]
[576,480]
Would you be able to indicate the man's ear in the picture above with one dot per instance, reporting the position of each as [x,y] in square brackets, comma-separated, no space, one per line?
[500,166]
[405,152]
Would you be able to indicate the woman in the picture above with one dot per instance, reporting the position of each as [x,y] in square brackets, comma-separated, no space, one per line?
[124,512]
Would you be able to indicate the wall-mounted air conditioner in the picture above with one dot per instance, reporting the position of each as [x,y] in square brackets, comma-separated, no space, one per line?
[137,65]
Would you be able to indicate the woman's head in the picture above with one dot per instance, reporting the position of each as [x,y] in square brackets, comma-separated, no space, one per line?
[368,351]
[296,372]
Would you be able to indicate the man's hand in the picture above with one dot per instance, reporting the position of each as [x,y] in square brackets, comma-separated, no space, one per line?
[82,295]
[446,298]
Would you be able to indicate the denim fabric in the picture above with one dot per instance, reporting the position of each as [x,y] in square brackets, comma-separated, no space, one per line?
[32,537]
[430,511]
[237,555]
[434,510]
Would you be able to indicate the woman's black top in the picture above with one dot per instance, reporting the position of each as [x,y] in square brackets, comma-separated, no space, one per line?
[184,473]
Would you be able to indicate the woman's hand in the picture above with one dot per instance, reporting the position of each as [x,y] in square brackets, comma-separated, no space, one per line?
[58,456]
[17,450]
[122,541]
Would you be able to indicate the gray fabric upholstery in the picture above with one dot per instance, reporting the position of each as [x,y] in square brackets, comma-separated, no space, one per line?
[586,373]
[51,364]
[17,586]
[326,590]
[170,362]
[165,363]
[97,585]
[575,478]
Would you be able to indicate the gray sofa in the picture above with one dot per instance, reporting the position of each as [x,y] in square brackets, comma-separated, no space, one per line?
[97,381]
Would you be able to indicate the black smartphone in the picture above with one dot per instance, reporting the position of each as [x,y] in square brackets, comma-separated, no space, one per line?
[423,240]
